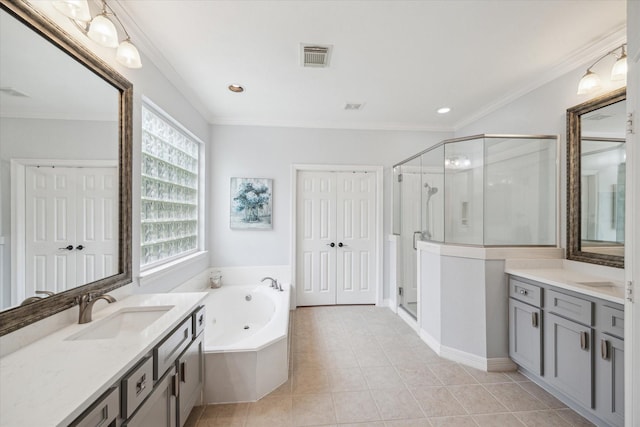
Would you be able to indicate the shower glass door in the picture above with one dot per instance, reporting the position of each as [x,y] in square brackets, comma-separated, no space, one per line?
[408,182]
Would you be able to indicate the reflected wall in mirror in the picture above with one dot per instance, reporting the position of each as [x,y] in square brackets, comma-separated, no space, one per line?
[596,166]
[65,164]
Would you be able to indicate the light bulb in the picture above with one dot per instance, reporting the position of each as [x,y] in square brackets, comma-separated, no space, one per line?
[103,32]
[77,10]
[588,83]
[128,55]
[619,70]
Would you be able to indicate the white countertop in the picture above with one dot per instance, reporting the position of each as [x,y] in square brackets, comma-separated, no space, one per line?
[52,381]
[567,279]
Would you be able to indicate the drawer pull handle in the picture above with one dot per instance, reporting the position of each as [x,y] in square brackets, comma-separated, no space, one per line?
[183,372]
[141,384]
[604,349]
[534,319]
[523,292]
[584,342]
[201,319]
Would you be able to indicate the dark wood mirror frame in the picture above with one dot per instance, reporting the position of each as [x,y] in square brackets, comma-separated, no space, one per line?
[574,249]
[18,317]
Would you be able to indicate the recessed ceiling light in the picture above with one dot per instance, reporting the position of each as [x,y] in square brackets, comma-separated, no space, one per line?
[444,110]
[236,88]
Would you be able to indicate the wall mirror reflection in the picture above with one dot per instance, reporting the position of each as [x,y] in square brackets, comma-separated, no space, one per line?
[596,177]
[64,143]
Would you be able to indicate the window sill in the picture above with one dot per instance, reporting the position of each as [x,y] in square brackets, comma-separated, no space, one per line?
[157,272]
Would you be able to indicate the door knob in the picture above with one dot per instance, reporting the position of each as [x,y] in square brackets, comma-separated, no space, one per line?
[341,245]
[333,245]
[79,247]
[68,248]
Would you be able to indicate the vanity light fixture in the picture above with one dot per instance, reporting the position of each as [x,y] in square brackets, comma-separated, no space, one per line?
[101,29]
[236,88]
[590,82]
[444,110]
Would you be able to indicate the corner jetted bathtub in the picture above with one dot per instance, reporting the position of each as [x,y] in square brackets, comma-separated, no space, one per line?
[246,345]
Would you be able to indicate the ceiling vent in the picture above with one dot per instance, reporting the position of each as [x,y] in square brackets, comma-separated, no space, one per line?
[354,106]
[314,55]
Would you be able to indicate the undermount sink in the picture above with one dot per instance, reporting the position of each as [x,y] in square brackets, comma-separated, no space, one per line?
[124,322]
[597,284]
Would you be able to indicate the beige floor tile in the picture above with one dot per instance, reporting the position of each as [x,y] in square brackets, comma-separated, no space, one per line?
[514,397]
[194,416]
[305,344]
[476,399]
[404,356]
[540,393]
[417,375]
[370,357]
[313,409]
[396,404]
[422,422]
[573,418]
[487,377]
[311,381]
[516,376]
[392,341]
[452,374]
[453,422]
[270,411]
[310,360]
[497,420]
[354,407]
[344,358]
[285,388]
[437,402]
[347,379]
[230,411]
[379,377]
[546,418]
[368,424]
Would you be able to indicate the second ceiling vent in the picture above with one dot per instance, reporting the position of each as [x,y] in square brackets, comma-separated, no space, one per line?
[315,55]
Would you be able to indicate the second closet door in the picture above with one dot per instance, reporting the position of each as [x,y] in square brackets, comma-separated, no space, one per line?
[336,260]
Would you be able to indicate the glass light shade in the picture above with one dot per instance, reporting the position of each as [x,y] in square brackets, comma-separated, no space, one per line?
[588,83]
[103,32]
[619,70]
[77,10]
[128,55]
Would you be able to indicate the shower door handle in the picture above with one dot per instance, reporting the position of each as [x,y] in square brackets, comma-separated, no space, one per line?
[415,244]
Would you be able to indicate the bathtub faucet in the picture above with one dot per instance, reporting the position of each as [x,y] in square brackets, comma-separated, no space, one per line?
[274,282]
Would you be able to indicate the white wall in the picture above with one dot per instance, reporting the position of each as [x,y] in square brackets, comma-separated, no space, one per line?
[269,152]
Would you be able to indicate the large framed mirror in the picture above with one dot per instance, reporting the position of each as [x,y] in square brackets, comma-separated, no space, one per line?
[65,167]
[596,166]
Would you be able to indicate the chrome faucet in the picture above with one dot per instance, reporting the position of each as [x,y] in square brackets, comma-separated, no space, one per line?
[274,282]
[86,306]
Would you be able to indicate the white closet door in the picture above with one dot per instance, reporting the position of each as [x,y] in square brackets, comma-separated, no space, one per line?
[336,238]
[356,238]
[97,227]
[50,228]
[316,228]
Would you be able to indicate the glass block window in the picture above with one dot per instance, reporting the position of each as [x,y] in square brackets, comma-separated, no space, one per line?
[169,209]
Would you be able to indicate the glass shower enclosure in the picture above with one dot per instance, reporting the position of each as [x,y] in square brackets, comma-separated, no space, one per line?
[482,190]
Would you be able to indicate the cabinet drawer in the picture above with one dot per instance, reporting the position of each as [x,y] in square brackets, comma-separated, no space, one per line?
[570,307]
[103,412]
[525,292]
[199,320]
[165,354]
[136,387]
[610,320]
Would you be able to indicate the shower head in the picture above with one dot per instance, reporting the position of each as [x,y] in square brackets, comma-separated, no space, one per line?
[430,190]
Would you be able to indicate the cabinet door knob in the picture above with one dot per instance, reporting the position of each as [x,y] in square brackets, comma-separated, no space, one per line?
[67,248]
[79,247]
[333,245]
[523,291]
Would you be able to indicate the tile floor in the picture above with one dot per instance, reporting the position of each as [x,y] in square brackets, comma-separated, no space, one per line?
[363,366]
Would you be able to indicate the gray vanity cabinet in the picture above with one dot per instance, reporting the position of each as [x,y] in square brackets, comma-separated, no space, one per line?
[191,371]
[525,335]
[159,410]
[568,358]
[610,364]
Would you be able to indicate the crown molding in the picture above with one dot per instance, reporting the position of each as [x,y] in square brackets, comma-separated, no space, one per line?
[580,57]
[382,126]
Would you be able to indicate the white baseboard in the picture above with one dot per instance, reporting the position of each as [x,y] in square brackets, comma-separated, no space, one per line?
[391,304]
[410,321]
[496,364]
